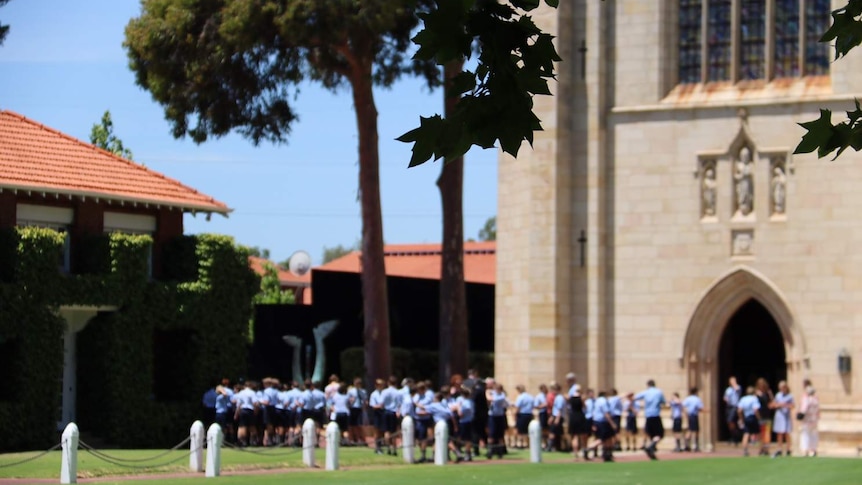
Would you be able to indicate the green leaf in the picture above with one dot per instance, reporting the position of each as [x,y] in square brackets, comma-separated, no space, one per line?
[426,139]
[552,3]
[819,132]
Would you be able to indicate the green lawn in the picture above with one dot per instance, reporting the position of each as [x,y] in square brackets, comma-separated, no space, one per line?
[359,466]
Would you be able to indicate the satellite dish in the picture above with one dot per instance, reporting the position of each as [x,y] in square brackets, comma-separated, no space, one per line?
[299,263]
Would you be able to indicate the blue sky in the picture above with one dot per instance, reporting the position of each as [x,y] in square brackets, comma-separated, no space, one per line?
[63,65]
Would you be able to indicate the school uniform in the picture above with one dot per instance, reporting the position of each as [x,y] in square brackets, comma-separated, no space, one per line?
[357,397]
[731,398]
[524,403]
[653,400]
[676,415]
[245,402]
[376,403]
[391,402]
[557,409]
[540,403]
[270,398]
[601,410]
[616,405]
[749,405]
[693,406]
[589,404]
[466,412]
[441,413]
[222,403]
[291,407]
[631,411]
[424,422]
[497,416]
[339,405]
[781,422]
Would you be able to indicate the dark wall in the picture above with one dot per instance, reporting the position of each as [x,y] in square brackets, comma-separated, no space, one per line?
[413,315]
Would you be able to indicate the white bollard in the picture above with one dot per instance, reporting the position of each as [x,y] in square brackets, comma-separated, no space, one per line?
[441,443]
[333,439]
[196,447]
[215,437]
[309,441]
[69,461]
[535,433]
[408,437]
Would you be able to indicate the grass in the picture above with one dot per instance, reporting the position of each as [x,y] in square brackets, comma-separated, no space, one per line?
[360,466]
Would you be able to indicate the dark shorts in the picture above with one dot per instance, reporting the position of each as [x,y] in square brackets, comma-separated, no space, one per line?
[543,420]
[390,422]
[269,417]
[618,421]
[578,425]
[522,422]
[290,418]
[731,415]
[654,427]
[465,431]
[556,429]
[377,417]
[677,425]
[752,425]
[355,417]
[693,422]
[246,417]
[342,420]
[604,430]
[588,427]
[315,415]
[497,427]
[424,425]
[221,419]
[632,423]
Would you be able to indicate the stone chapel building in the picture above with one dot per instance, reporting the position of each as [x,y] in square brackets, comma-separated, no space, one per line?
[661,227]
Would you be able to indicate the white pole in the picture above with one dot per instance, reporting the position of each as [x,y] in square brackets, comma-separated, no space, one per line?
[215,437]
[535,433]
[309,441]
[441,443]
[408,433]
[69,461]
[333,438]
[196,447]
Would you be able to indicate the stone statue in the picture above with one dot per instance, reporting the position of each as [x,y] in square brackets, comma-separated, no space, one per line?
[708,195]
[320,333]
[779,190]
[744,183]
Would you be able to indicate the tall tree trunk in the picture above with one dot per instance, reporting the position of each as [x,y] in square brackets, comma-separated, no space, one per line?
[454,337]
[374,298]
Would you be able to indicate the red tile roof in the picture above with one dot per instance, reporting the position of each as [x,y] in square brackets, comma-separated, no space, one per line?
[37,158]
[423,261]
[285,277]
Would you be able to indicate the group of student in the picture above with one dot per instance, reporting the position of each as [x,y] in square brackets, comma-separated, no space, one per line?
[476,411]
[758,414]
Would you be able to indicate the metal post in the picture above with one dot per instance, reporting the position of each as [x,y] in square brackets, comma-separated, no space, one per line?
[196,447]
[441,443]
[309,441]
[215,438]
[408,433]
[69,461]
[535,433]
[333,438]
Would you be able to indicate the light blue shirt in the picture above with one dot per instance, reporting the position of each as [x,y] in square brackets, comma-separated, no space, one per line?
[338,402]
[631,407]
[376,399]
[693,405]
[292,399]
[558,406]
[616,405]
[653,399]
[749,405]
[540,402]
[358,397]
[600,407]
[466,409]
[280,399]
[221,403]
[524,403]
[575,389]
[675,408]
[782,398]
[313,399]
[497,404]
[391,399]
[439,411]
[407,407]
[270,395]
[245,399]
[731,396]
[589,404]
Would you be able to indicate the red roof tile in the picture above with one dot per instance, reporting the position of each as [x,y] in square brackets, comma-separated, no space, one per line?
[35,157]
[285,277]
[423,261]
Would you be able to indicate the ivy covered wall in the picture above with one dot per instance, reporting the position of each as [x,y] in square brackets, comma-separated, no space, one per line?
[141,368]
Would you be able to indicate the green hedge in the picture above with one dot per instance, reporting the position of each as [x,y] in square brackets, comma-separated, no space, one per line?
[419,364]
[116,397]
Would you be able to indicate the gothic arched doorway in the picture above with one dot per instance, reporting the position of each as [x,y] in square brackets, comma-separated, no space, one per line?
[751,347]
[742,324]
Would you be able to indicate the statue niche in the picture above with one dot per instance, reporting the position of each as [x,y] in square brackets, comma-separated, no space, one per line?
[708,189]
[743,183]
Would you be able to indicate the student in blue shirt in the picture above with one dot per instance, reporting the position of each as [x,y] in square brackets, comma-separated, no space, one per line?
[540,406]
[292,411]
[269,400]
[465,409]
[653,400]
[749,414]
[358,399]
[524,414]
[246,404]
[375,402]
[693,406]
[391,397]
[676,416]
[731,400]
[605,426]
[616,404]
[555,420]
[497,424]
[424,423]
[630,408]
[339,403]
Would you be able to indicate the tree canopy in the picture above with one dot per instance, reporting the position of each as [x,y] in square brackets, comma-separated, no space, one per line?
[489,230]
[822,135]
[102,135]
[514,61]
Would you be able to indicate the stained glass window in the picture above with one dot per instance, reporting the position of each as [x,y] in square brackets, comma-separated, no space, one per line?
[718,40]
[786,55]
[752,39]
[689,41]
[816,22]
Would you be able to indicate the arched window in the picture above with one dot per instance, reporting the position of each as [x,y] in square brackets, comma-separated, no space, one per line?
[742,40]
